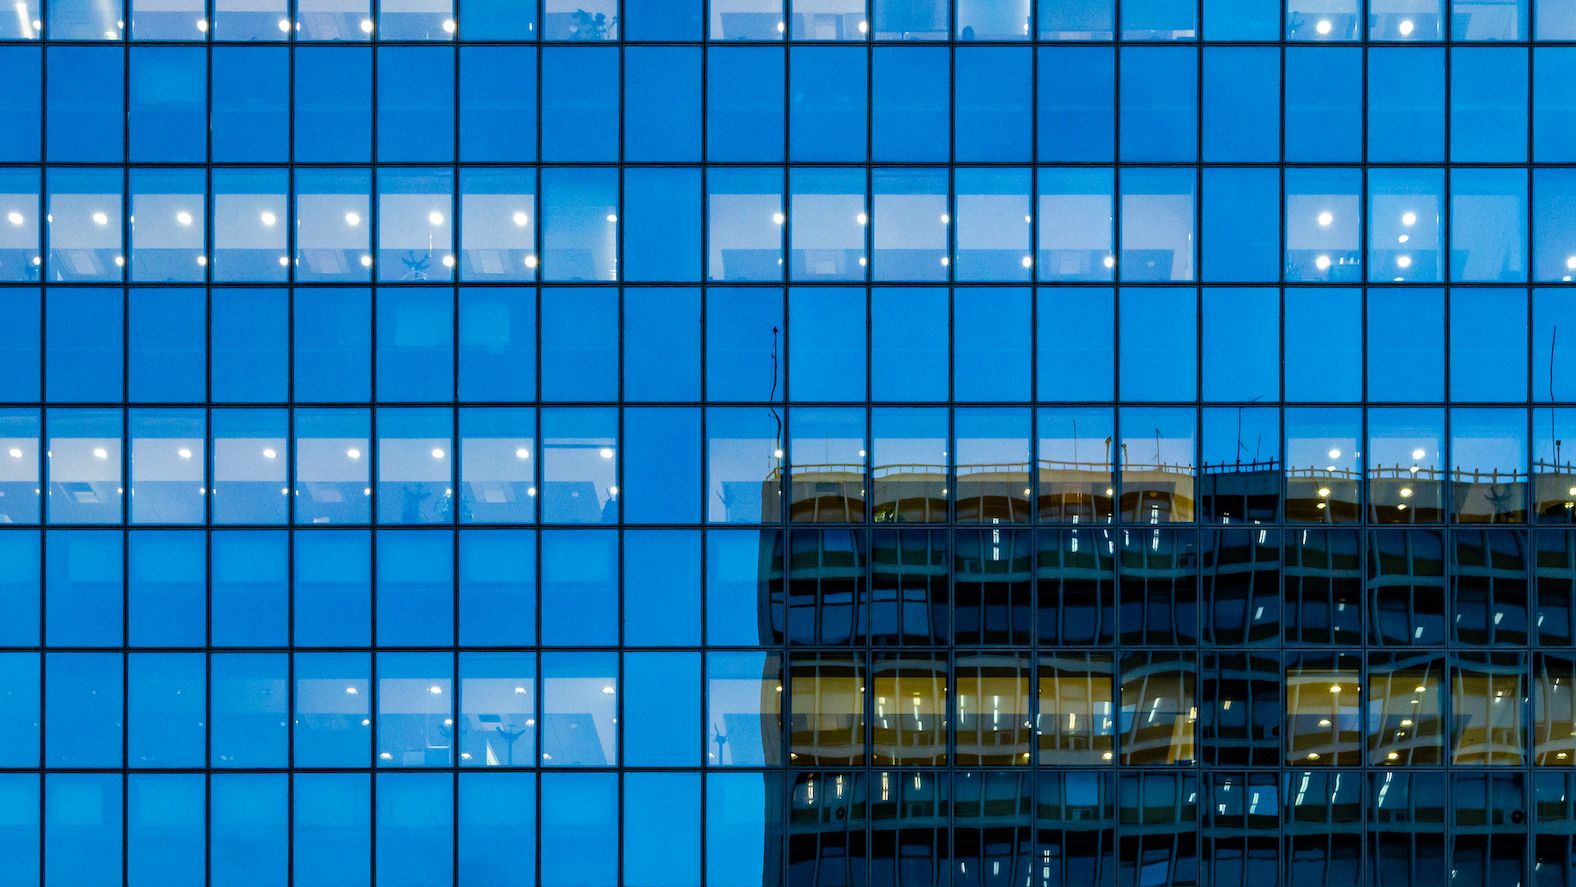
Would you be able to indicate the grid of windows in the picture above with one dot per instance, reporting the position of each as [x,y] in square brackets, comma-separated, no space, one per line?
[751,443]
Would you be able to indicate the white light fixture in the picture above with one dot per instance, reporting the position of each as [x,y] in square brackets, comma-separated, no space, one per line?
[270,453]
[778,218]
[183,217]
[434,218]
[268,218]
[100,453]
[184,453]
[1406,27]
[605,452]
[1322,263]
[449,26]
[1403,261]
[437,453]
[352,219]
[522,453]
[353,453]
[1409,218]
[612,218]
[14,218]
[100,218]
[366,26]
[520,219]
[1324,26]
[1325,218]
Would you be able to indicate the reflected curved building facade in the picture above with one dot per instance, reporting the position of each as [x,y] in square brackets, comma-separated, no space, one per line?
[788,443]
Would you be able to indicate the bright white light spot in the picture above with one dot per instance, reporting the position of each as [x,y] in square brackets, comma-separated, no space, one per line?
[284,25]
[1324,26]
[1335,454]
[1325,218]
[608,691]
[449,26]
[366,261]
[434,218]
[1409,219]
[184,453]
[1322,263]
[612,218]
[353,453]
[435,690]
[448,261]
[202,25]
[778,218]
[14,218]
[862,219]
[100,219]
[268,218]
[184,217]
[530,261]
[1026,262]
[605,452]
[520,219]
[16,452]
[270,453]
[100,453]
[1109,261]
[437,453]
[366,26]
[522,453]
[352,219]
[1403,261]
[1406,27]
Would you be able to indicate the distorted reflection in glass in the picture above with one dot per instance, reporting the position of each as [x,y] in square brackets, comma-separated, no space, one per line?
[1075,464]
[992,447]
[826,723]
[827,453]
[1157,457]
[1554,709]
[1406,709]
[1487,696]
[1553,467]
[744,715]
[1075,723]
[1488,455]
[1241,467]
[1159,714]
[1406,480]
[910,708]
[1323,710]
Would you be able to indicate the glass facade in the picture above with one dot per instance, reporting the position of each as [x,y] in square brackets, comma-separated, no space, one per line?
[752,443]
